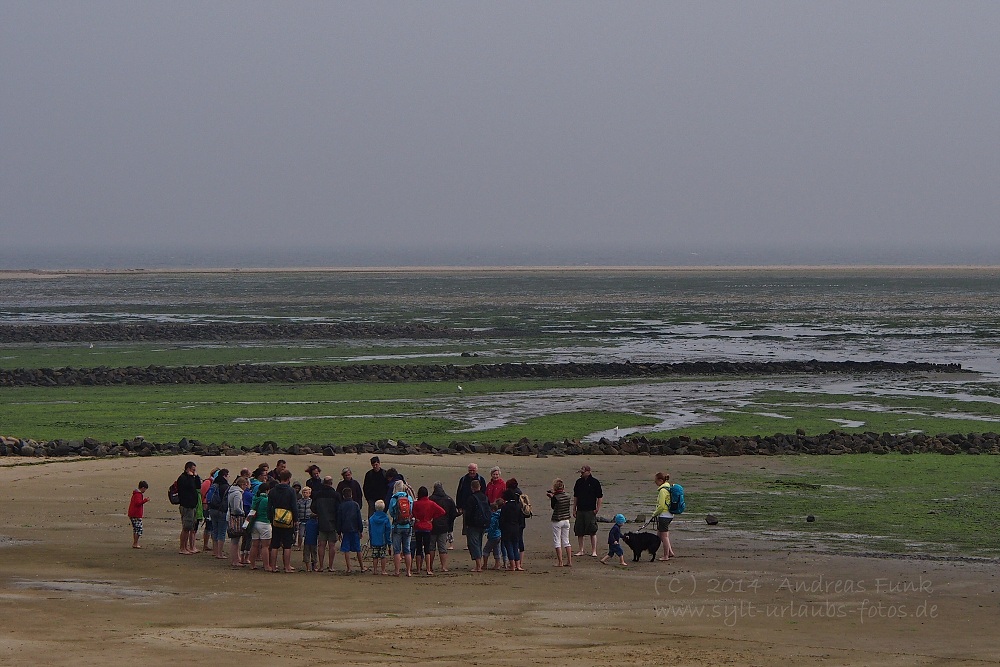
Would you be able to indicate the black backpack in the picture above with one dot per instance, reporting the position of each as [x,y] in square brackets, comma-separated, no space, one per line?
[481,517]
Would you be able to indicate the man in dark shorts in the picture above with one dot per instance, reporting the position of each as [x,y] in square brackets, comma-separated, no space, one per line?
[587,498]
[282,496]
[189,494]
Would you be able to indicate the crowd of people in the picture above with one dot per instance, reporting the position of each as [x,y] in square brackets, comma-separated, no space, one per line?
[263,517]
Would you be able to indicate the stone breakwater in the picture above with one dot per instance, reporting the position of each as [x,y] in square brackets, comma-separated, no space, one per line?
[832,443]
[264,373]
[217,332]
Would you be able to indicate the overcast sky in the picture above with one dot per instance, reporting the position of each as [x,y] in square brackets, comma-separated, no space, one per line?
[346,133]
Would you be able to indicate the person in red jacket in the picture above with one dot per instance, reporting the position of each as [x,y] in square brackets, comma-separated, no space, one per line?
[496,486]
[425,511]
[135,508]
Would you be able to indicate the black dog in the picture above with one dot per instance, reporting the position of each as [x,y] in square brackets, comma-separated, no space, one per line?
[640,542]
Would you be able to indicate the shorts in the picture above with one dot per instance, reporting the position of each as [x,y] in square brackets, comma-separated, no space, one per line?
[560,533]
[586,523]
[208,525]
[401,540]
[326,536]
[440,542]
[189,520]
[282,538]
[351,542]
[261,531]
[474,540]
[663,524]
[380,552]
[219,526]
[615,550]
[136,526]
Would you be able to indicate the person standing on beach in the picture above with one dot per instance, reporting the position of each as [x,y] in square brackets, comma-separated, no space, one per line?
[325,503]
[465,492]
[218,510]
[496,486]
[279,468]
[662,514]
[560,503]
[375,487]
[135,512]
[282,497]
[442,526]
[348,482]
[189,495]
[476,513]
[587,499]
[205,519]
[315,478]
[351,527]
[511,529]
[401,512]
[234,500]
[425,511]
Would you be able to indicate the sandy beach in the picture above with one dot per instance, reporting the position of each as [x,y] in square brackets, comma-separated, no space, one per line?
[77,594]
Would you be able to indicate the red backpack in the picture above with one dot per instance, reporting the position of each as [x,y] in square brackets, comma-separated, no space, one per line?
[404,510]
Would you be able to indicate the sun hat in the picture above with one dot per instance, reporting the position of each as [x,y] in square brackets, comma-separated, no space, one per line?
[620,519]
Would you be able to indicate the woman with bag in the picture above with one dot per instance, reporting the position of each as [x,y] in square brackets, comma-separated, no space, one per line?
[234,529]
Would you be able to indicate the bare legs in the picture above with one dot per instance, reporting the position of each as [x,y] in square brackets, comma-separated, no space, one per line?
[668,552]
[258,549]
[327,548]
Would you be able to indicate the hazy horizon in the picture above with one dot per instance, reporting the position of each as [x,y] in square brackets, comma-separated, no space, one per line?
[195,134]
[275,258]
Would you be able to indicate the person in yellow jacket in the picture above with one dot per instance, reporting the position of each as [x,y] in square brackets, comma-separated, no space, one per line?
[662,514]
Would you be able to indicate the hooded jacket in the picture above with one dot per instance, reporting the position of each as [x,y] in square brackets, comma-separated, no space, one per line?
[325,503]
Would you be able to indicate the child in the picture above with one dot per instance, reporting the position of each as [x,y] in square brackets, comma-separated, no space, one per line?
[493,538]
[310,531]
[350,526]
[304,512]
[614,541]
[135,509]
[379,535]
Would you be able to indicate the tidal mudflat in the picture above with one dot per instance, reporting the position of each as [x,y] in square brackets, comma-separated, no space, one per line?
[548,316]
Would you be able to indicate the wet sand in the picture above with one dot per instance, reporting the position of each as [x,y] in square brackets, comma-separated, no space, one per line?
[75,593]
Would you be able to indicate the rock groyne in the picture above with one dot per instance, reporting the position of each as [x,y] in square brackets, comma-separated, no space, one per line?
[264,373]
[832,443]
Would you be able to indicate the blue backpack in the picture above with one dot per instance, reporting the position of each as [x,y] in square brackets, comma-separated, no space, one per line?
[677,505]
[217,498]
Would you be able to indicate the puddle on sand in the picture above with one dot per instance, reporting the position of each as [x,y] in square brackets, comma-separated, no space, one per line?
[11,542]
[111,590]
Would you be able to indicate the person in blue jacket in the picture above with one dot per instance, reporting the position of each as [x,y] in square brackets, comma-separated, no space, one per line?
[379,536]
